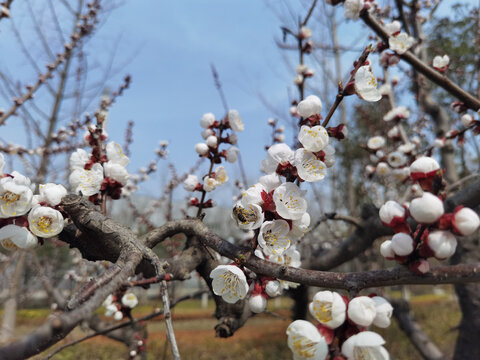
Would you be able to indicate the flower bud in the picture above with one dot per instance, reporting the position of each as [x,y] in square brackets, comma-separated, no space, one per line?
[202,149]
[207,120]
[212,141]
[257,303]
[424,167]
[312,105]
[426,209]
[391,211]
[361,310]
[386,250]
[467,120]
[465,221]
[384,312]
[442,243]
[402,244]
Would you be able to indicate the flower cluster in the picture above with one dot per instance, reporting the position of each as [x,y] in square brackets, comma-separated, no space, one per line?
[120,305]
[23,216]
[103,171]
[346,322]
[436,230]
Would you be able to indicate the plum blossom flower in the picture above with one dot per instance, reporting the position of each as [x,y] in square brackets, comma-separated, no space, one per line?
[87,182]
[384,312]
[212,141]
[253,195]
[273,237]
[45,222]
[313,138]
[386,250]
[353,8]
[202,149]
[365,345]
[305,32]
[391,210]
[328,308]
[426,209]
[306,342]
[270,182]
[116,172]
[376,142]
[383,168]
[221,175]
[51,193]
[209,183]
[115,154]
[129,300]
[401,43]
[276,154]
[361,310]
[442,243]
[207,120]
[402,244]
[393,27]
[13,237]
[111,309]
[289,201]
[311,105]
[231,154]
[309,167]
[400,112]
[366,84]
[247,217]
[206,133]
[257,303]
[440,63]
[467,120]
[300,227]
[465,221]
[396,159]
[229,282]
[15,195]
[78,159]
[191,182]
[235,121]
[273,288]
[406,148]
[424,167]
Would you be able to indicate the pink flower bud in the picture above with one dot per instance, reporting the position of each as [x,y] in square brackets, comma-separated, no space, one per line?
[419,267]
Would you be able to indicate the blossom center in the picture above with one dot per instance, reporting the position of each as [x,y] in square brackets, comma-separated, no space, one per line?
[323,311]
[10,197]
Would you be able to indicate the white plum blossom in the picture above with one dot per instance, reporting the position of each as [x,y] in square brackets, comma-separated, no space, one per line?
[305,32]
[328,308]
[402,244]
[300,227]
[191,182]
[212,141]
[15,195]
[202,149]
[406,148]
[108,300]
[118,316]
[311,105]
[276,154]
[467,120]
[424,166]
[396,159]
[401,43]
[235,121]
[248,217]
[289,201]
[426,209]
[361,310]
[401,173]
[393,132]
[111,309]
[273,237]
[257,303]
[233,138]
[206,133]
[273,288]
[209,183]
[391,210]
[78,159]
[465,221]
[253,195]
[365,345]
[393,27]
[116,172]
[386,250]
[51,193]
[45,222]
[442,243]
[353,8]
[129,300]
[221,175]
[376,142]
[383,168]
[231,154]
[270,182]
[441,62]
[87,182]
[207,120]
[309,167]
[298,79]
[305,341]
[229,282]
[13,237]
[115,154]
[366,84]
[313,138]
[384,312]
[400,112]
